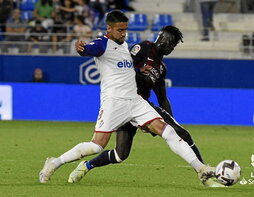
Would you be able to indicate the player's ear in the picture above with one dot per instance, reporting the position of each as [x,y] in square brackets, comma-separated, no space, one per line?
[109,28]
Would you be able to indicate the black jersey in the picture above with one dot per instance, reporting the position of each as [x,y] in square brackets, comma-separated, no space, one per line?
[144,54]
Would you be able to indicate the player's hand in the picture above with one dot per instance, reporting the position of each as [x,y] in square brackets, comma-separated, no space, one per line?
[145,69]
[80,45]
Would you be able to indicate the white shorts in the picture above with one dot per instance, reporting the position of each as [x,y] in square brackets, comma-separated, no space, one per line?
[115,112]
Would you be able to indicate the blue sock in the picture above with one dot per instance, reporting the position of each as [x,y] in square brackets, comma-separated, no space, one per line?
[88,165]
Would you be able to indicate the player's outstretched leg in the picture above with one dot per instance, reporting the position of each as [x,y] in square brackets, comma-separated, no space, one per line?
[182,132]
[79,151]
[105,158]
[124,140]
[180,147]
[185,135]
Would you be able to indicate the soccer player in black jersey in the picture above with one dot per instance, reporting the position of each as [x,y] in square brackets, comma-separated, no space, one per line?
[150,75]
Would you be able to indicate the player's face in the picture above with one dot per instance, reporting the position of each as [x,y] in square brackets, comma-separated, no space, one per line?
[166,43]
[117,32]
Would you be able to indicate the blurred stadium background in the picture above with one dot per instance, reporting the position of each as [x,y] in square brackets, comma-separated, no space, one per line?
[210,81]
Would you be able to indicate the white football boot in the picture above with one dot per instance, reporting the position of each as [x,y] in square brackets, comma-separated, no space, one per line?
[78,173]
[207,177]
[47,170]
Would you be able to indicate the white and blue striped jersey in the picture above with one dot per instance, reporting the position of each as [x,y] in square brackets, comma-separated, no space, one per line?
[115,65]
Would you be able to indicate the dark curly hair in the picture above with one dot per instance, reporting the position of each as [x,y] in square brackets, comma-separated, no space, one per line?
[175,31]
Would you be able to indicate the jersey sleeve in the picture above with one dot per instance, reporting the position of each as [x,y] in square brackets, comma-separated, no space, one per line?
[95,48]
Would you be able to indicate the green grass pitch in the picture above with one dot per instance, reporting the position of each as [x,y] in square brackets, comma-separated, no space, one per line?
[151,169]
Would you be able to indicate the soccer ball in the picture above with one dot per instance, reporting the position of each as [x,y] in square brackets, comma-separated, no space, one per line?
[228,172]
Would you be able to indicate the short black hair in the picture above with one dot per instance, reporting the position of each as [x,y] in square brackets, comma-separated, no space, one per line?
[116,16]
[175,31]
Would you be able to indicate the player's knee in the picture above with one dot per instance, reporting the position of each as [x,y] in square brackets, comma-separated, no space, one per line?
[95,148]
[122,155]
[114,157]
[87,148]
[117,157]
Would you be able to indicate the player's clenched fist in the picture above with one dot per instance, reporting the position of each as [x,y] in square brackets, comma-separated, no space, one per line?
[79,45]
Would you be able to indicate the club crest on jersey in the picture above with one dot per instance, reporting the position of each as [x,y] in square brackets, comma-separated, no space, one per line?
[125,64]
[135,49]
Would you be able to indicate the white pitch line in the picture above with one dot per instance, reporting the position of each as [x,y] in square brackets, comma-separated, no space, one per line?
[130,164]
[178,166]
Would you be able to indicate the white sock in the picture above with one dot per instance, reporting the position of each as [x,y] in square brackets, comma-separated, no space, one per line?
[77,152]
[197,165]
[181,148]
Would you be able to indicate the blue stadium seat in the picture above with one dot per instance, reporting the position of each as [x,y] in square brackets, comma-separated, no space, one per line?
[96,22]
[26,15]
[103,23]
[28,5]
[133,38]
[138,22]
[161,20]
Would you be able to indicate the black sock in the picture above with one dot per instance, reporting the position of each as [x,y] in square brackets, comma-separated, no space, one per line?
[105,158]
[196,151]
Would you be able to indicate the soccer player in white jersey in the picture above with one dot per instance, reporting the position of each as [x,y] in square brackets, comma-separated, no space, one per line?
[120,102]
